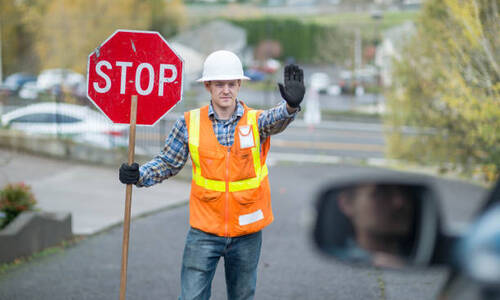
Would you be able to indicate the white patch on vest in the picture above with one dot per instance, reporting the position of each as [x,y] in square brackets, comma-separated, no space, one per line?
[246,136]
[251,218]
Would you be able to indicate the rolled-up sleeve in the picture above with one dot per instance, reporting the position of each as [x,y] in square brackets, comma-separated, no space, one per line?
[170,160]
[275,120]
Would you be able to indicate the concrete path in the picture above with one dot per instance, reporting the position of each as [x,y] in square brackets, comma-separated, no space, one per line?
[93,194]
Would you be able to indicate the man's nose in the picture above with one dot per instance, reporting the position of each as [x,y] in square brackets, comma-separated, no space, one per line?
[225,89]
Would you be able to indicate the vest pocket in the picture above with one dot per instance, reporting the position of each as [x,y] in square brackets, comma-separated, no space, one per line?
[246,197]
[242,166]
[212,165]
[205,194]
[209,195]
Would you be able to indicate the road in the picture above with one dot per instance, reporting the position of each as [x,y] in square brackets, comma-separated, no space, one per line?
[290,268]
[330,139]
[357,140]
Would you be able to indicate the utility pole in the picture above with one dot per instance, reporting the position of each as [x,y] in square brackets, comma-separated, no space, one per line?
[357,64]
[357,53]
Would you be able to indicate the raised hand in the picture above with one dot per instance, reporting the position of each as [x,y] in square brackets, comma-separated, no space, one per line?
[293,91]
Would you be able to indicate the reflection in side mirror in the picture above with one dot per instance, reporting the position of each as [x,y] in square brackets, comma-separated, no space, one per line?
[388,224]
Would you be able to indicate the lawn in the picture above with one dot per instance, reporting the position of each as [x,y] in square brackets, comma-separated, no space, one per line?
[364,19]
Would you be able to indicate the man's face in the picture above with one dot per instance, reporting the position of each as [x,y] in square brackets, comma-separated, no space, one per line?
[223,92]
[380,210]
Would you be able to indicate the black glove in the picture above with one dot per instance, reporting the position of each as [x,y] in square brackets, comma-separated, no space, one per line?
[294,89]
[129,174]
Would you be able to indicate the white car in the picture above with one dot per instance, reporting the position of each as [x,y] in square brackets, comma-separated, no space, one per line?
[29,90]
[65,78]
[319,82]
[67,120]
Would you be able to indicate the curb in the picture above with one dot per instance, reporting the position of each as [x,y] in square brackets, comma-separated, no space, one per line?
[32,232]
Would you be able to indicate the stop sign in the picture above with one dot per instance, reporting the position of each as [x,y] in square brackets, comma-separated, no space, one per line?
[134,63]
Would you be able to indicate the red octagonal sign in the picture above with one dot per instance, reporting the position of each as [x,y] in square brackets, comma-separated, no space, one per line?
[134,63]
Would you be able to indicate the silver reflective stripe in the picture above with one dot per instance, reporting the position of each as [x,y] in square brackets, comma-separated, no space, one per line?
[251,218]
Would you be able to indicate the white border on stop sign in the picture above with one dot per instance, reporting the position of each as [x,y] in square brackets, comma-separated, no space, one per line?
[140,31]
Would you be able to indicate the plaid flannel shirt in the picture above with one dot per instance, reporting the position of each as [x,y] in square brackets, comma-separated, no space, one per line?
[175,153]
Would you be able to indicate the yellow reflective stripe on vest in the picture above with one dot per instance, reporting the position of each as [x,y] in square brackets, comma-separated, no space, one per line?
[194,143]
[251,183]
[247,184]
[220,185]
[210,184]
[194,140]
[252,121]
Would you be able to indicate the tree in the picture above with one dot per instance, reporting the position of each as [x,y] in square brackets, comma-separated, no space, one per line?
[335,45]
[15,40]
[447,86]
[168,17]
[67,31]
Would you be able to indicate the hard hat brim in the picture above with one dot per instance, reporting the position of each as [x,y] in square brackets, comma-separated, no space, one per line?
[229,77]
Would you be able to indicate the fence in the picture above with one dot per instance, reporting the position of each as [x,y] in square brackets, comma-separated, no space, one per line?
[81,122]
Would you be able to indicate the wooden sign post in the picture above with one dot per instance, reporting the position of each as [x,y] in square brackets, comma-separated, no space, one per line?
[128,200]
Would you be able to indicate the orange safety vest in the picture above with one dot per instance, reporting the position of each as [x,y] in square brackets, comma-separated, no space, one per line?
[230,193]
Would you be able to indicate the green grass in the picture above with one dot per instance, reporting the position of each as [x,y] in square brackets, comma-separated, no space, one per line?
[261,85]
[350,115]
[5,267]
[364,19]
[381,285]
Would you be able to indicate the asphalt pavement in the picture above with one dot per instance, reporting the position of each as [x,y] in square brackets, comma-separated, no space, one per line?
[290,267]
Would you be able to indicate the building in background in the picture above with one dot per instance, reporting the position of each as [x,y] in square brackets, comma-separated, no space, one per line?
[193,62]
[213,36]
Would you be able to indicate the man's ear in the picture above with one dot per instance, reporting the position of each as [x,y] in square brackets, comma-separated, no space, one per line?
[207,85]
[239,82]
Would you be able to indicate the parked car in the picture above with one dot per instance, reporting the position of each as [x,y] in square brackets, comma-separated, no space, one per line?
[15,81]
[334,90]
[320,82]
[255,74]
[68,120]
[60,79]
[396,223]
[29,90]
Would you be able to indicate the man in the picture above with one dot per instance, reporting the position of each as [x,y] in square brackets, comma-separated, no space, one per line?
[230,201]
[382,216]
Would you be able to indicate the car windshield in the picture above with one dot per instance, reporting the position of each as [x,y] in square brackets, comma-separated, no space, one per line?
[322,92]
[45,118]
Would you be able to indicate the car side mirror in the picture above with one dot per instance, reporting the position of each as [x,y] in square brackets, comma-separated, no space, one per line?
[387,223]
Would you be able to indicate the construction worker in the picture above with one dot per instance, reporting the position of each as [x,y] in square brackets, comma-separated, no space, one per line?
[230,201]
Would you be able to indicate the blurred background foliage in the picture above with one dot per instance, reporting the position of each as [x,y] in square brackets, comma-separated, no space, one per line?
[40,34]
[17,41]
[447,86]
[323,38]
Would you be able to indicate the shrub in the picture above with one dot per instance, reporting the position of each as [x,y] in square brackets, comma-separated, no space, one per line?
[14,199]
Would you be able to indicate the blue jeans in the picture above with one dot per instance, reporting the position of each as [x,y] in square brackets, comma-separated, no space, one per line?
[201,255]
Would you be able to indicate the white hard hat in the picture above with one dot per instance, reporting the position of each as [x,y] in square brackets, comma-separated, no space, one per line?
[222,65]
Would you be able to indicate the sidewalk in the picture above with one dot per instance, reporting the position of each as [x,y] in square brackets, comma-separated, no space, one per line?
[92,194]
